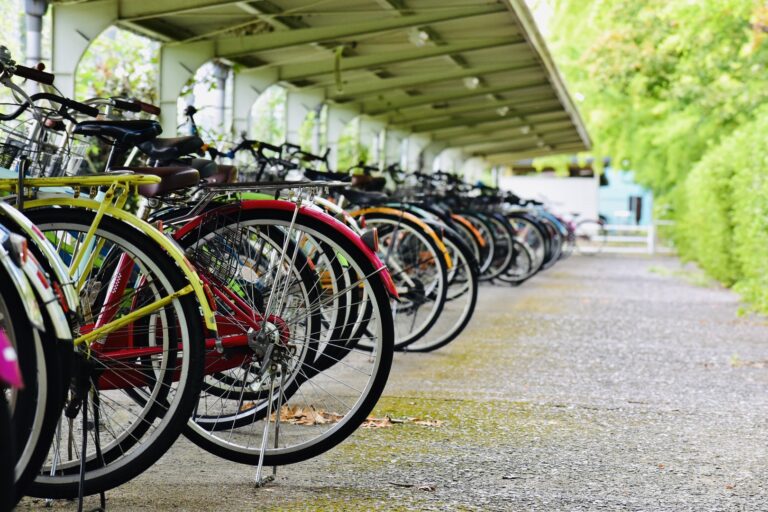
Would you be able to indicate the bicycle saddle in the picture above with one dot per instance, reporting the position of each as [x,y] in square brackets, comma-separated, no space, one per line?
[165,149]
[363,198]
[172,179]
[223,174]
[205,167]
[326,175]
[210,171]
[124,133]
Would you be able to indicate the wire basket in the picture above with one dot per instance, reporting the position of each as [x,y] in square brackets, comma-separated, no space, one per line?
[218,254]
[48,152]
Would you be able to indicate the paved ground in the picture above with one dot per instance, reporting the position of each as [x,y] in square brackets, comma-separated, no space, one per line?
[607,383]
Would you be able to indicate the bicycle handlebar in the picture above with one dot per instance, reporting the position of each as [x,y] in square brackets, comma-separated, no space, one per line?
[34,74]
[66,102]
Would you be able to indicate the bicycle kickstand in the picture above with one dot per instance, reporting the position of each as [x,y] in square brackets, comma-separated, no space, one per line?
[261,482]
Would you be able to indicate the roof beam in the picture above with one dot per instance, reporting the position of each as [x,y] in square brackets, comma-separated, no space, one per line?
[131,10]
[326,65]
[491,145]
[447,114]
[367,88]
[517,146]
[528,88]
[509,132]
[242,45]
[511,156]
[492,123]
[436,126]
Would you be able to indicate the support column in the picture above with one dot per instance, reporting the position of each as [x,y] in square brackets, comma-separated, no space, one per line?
[74,27]
[370,130]
[298,105]
[177,64]
[473,168]
[393,143]
[430,153]
[220,74]
[247,87]
[415,159]
[34,11]
[338,118]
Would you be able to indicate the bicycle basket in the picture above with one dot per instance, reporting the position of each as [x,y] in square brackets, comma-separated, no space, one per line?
[217,254]
[52,153]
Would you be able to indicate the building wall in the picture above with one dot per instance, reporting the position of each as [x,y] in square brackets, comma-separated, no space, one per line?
[563,195]
[614,198]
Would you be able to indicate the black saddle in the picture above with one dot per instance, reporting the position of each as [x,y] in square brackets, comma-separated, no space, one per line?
[166,149]
[124,133]
[326,175]
[364,198]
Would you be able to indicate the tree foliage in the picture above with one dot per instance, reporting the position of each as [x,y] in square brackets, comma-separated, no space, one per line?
[662,81]
[119,63]
[674,90]
[268,116]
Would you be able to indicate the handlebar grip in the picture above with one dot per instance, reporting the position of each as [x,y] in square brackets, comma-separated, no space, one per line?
[70,104]
[33,74]
[126,105]
[80,107]
[148,108]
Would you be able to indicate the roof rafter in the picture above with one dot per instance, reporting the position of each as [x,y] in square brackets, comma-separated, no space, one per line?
[323,66]
[235,46]
[509,132]
[492,145]
[493,123]
[448,113]
[505,156]
[457,122]
[363,89]
[524,89]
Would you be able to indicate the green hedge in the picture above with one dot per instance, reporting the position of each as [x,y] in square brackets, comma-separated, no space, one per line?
[723,222]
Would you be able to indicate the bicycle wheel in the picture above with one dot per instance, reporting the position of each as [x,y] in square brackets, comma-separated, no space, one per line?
[140,382]
[532,235]
[420,270]
[486,232]
[522,267]
[34,409]
[320,408]
[503,254]
[590,237]
[6,454]
[461,297]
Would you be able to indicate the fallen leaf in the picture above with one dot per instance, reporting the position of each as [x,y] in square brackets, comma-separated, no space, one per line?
[247,406]
[661,466]
[307,416]
[371,422]
[729,486]
[429,423]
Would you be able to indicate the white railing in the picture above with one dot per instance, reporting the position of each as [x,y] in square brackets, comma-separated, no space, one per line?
[627,239]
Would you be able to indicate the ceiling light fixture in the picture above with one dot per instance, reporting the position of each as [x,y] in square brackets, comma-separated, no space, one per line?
[471,82]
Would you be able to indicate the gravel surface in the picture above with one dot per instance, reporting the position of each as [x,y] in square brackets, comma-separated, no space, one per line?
[606,383]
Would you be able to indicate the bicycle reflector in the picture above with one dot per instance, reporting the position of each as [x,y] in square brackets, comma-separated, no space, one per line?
[18,249]
[370,238]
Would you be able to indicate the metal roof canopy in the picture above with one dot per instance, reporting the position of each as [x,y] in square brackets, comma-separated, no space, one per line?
[472,75]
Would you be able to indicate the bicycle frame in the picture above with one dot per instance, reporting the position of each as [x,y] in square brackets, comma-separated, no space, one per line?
[115,198]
